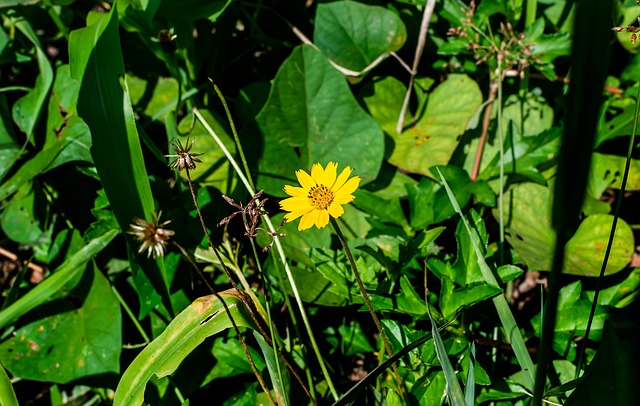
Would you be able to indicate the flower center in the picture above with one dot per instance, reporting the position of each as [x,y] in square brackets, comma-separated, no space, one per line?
[320,197]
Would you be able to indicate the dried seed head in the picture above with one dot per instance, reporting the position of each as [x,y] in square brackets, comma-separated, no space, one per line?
[183,158]
[251,214]
[152,235]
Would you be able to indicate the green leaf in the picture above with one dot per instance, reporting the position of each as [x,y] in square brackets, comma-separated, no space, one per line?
[431,140]
[405,301]
[529,231]
[7,394]
[54,283]
[105,106]
[27,109]
[606,172]
[76,343]
[453,300]
[612,377]
[502,308]
[203,318]
[454,392]
[573,314]
[19,219]
[530,113]
[312,117]
[354,34]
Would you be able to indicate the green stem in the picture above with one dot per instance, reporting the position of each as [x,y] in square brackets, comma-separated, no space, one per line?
[367,300]
[625,177]
[269,321]
[234,132]
[133,318]
[279,248]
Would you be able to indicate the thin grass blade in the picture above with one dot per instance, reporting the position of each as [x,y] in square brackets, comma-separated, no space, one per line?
[502,307]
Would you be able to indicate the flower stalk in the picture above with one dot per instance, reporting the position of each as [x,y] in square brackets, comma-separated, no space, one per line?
[367,300]
[281,254]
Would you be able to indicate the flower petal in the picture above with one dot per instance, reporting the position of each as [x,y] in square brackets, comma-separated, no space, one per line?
[323,219]
[295,191]
[305,180]
[295,203]
[349,187]
[343,199]
[295,214]
[335,209]
[329,174]
[308,220]
[341,179]
[317,173]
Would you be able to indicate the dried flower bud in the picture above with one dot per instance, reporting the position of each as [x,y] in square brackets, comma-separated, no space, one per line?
[184,159]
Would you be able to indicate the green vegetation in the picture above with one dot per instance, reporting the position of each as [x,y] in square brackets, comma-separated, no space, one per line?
[351,202]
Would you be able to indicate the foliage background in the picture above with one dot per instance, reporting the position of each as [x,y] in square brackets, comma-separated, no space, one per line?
[93,93]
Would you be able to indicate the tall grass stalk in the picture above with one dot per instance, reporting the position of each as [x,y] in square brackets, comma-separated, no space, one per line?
[616,214]
[367,300]
[590,61]
[279,248]
[500,302]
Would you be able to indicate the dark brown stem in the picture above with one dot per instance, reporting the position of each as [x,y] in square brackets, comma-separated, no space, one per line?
[485,129]
[241,294]
[233,323]
[367,300]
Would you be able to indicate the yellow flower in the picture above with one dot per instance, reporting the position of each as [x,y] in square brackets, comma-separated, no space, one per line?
[322,194]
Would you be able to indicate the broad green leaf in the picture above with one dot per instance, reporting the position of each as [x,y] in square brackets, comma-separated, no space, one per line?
[454,299]
[524,156]
[104,104]
[75,343]
[312,117]
[428,201]
[164,94]
[629,16]
[620,294]
[53,284]
[512,9]
[27,109]
[354,34]
[573,314]
[606,172]
[9,149]
[354,340]
[620,125]
[19,218]
[529,231]
[431,140]
[406,300]
[530,114]
[203,318]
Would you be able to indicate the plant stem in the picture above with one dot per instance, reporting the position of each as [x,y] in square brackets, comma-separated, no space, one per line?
[280,249]
[367,300]
[233,322]
[133,318]
[269,321]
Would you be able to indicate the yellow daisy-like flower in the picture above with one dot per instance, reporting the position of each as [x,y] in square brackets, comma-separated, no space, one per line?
[322,194]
